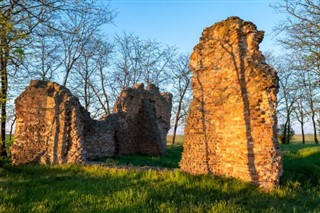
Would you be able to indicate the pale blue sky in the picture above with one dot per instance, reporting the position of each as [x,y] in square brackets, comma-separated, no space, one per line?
[180,22]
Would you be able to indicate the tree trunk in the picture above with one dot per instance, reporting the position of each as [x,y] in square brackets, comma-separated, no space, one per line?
[11,128]
[314,129]
[288,132]
[4,86]
[302,132]
[3,91]
[176,125]
[284,135]
[176,121]
[65,78]
[104,91]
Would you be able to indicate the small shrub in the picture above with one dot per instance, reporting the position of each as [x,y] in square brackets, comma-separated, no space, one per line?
[285,134]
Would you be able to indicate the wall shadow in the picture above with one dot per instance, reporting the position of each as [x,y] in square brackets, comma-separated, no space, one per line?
[203,122]
[240,72]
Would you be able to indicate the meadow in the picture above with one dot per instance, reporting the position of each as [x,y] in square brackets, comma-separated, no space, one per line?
[74,188]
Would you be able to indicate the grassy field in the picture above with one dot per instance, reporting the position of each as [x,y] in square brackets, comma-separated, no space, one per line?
[71,188]
[308,138]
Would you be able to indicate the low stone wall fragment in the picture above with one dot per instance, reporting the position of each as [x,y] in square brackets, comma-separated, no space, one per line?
[53,128]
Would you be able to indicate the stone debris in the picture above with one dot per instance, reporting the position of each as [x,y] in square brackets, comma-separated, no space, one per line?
[53,128]
[231,126]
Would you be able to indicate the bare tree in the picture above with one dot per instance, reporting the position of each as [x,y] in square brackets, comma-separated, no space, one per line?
[181,84]
[311,98]
[138,60]
[102,60]
[128,61]
[307,90]
[301,29]
[85,70]
[155,63]
[42,57]
[77,29]
[300,112]
[287,95]
[300,36]
[89,80]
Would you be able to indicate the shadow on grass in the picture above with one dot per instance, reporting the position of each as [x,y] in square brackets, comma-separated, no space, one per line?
[71,188]
[170,160]
[301,164]
[96,189]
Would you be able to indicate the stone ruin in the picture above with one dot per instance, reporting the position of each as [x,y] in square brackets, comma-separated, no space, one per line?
[143,120]
[231,126]
[53,128]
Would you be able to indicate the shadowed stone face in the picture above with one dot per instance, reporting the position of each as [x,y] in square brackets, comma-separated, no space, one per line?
[145,120]
[53,128]
[231,126]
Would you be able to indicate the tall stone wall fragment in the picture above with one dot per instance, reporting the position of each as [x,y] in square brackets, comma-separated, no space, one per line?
[53,128]
[231,126]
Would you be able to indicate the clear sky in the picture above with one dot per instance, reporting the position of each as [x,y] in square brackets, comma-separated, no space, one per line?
[181,22]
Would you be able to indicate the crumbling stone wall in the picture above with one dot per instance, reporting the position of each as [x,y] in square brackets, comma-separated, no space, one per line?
[50,125]
[144,120]
[53,128]
[231,126]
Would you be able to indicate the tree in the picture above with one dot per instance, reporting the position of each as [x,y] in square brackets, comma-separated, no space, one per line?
[301,37]
[285,134]
[19,23]
[42,59]
[287,95]
[89,80]
[77,28]
[301,29]
[181,84]
[306,89]
[137,60]
[310,93]
[300,112]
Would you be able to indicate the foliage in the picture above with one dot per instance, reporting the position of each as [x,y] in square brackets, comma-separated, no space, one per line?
[71,188]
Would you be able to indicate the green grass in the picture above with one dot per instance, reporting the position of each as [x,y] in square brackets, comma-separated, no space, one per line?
[72,188]
[170,160]
[302,164]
